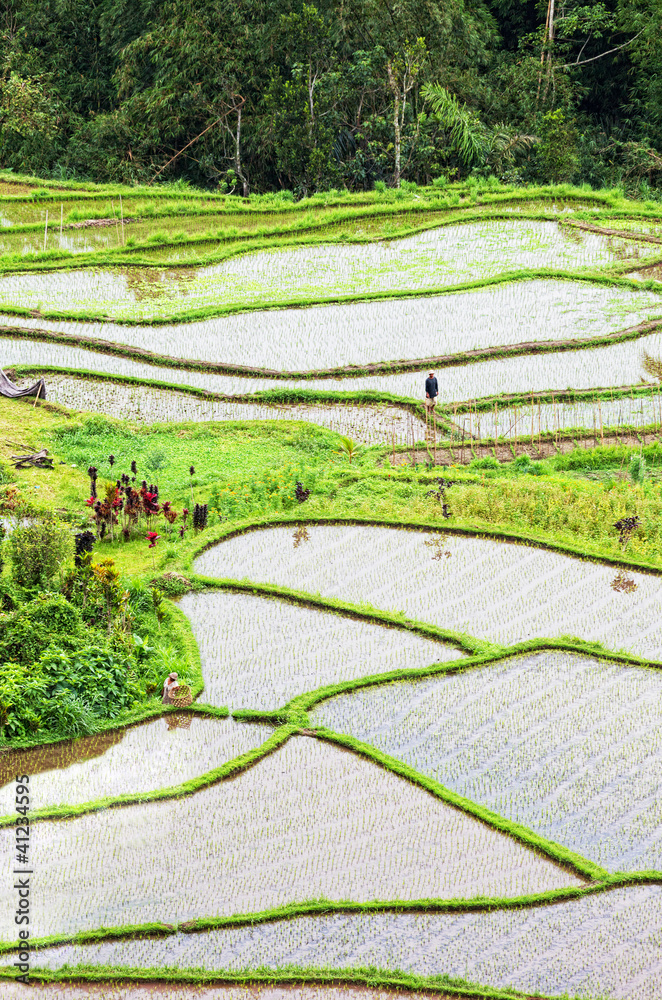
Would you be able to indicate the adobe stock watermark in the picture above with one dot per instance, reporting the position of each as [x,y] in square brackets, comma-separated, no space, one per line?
[22,872]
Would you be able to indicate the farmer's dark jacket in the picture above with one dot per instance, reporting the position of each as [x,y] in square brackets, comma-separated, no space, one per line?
[431,387]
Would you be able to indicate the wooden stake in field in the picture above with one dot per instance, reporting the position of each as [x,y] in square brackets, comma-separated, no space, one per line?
[46,230]
[122,218]
[61,219]
[533,410]
[539,429]
[117,227]
[496,430]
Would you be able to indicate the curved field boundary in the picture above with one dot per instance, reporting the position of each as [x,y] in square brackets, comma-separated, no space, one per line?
[555,852]
[264,396]
[222,245]
[151,255]
[442,987]
[145,356]
[486,403]
[624,234]
[222,532]
[423,199]
[227,770]
[370,397]
[614,278]
[337,216]
[56,261]
[324,907]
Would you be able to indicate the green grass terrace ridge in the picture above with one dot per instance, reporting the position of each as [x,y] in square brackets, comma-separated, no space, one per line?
[443,986]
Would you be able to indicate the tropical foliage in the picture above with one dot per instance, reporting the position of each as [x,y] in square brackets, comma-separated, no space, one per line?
[263,96]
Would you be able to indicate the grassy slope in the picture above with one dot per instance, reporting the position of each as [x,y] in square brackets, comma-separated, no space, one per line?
[253,466]
[555,509]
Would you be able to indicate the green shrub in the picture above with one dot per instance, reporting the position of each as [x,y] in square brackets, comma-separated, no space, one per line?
[637,468]
[65,692]
[29,630]
[101,678]
[484,463]
[68,715]
[37,551]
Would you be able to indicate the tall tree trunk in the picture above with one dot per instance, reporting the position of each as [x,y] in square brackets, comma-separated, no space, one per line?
[237,156]
[311,88]
[393,83]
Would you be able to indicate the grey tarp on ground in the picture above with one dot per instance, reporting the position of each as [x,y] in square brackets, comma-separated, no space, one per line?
[7,388]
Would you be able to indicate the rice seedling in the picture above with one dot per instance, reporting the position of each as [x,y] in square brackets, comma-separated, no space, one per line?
[597,416]
[154,755]
[490,589]
[305,990]
[565,745]
[306,821]
[260,653]
[601,945]
[569,746]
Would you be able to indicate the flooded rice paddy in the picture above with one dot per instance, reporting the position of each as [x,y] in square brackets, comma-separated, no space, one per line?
[441,257]
[369,424]
[259,653]
[184,991]
[567,745]
[494,590]
[368,332]
[144,758]
[604,945]
[591,414]
[309,820]
[618,364]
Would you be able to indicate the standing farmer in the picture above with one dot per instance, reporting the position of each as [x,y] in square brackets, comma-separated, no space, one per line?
[431,391]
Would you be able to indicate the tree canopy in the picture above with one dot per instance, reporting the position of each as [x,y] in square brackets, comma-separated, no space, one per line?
[261,95]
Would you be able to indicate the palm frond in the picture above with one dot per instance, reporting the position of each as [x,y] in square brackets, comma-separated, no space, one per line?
[467,133]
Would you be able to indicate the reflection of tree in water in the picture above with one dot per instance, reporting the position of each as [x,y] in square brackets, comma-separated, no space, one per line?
[154,283]
[56,756]
[300,535]
[437,543]
[623,583]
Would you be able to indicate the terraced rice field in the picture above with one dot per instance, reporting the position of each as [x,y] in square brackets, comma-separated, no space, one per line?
[566,745]
[316,819]
[372,424]
[442,756]
[497,591]
[258,653]
[600,945]
[443,257]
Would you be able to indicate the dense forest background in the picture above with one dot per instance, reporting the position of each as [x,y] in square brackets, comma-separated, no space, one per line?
[263,95]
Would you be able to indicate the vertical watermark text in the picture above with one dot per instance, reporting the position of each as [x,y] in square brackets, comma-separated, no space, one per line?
[22,873]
